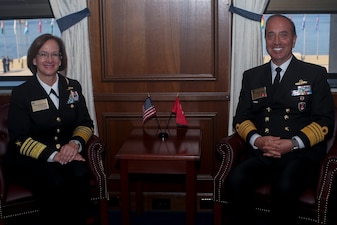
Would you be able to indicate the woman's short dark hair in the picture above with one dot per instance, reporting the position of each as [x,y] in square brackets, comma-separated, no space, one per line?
[35,48]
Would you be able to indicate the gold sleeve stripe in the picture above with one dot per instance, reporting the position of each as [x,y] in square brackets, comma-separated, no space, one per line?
[32,148]
[244,128]
[83,132]
[315,133]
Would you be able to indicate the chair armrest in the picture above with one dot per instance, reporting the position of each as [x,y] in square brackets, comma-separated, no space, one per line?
[2,183]
[229,150]
[3,149]
[327,177]
[94,150]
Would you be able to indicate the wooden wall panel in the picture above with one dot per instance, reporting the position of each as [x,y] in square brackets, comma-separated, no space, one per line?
[159,39]
[161,47]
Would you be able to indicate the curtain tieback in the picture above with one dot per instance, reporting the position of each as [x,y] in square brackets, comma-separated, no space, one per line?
[69,20]
[245,13]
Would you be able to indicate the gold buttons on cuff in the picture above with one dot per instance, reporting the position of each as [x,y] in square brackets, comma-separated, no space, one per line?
[58,146]
[266,130]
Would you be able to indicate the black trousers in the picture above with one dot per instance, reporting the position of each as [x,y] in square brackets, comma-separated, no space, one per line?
[62,191]
[288,175]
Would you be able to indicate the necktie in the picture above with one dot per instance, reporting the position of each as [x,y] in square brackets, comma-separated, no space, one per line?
[52,91]
[277,77]
[54,97]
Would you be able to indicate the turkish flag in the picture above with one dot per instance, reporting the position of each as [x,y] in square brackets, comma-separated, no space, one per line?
[178,111]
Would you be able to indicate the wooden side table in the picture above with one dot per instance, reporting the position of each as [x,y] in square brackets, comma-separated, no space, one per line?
[144,152]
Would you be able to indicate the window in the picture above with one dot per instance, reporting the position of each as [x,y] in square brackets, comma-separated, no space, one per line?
[16,37]
[20,25]
[313,38]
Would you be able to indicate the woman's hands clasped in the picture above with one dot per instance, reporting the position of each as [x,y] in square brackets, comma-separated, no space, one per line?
[69,152]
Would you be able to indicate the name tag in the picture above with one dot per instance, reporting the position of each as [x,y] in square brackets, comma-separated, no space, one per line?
[259,93]
[39,105]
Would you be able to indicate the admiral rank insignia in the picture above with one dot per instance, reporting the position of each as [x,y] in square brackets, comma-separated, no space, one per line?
[303,89]
[258,93]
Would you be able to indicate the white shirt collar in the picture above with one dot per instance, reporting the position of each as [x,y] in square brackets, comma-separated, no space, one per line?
[284,66]
[47,88]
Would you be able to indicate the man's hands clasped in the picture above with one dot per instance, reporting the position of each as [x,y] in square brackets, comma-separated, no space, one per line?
[273,146]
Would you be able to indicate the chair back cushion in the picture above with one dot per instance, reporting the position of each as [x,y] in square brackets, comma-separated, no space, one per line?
[333,138]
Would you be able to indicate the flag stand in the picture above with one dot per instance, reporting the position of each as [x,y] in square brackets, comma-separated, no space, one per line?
[162,135]
[168,121]
[149,111]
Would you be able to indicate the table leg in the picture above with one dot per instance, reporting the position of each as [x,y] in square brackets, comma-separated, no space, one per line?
[190,193]
[139,197]
[125,195]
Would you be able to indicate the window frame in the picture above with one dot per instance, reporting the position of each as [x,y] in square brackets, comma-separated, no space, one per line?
[302,6]
[25,9]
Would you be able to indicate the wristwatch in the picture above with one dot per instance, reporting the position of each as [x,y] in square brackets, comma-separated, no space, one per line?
[295,144]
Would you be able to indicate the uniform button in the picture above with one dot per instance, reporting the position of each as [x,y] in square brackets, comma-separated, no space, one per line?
[58,119]
[266,119]
[72,106]
[286,117]
[58,146]
[56,138]
[58,131]
[268,109]
[266,130]
[287,110]
[286,128]
[302,98]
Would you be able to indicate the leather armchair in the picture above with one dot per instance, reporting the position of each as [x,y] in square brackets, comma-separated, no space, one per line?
[316,205]
[16,200]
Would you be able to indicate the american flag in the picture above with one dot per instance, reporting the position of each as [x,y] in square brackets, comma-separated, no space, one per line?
[149,110]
